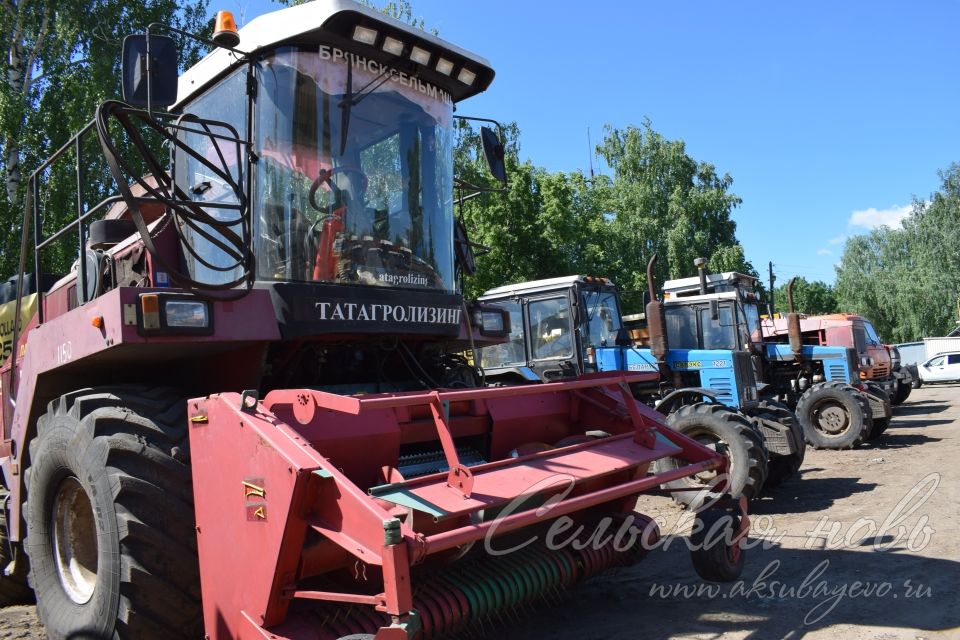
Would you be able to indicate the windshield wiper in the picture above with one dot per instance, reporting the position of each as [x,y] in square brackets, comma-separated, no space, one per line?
[350,100]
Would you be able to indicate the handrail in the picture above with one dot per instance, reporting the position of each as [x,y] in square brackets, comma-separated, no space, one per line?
[168,126]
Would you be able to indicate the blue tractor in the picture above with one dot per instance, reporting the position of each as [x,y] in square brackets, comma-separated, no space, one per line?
[712,325]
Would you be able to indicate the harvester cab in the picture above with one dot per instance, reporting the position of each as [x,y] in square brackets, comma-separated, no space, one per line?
[248,388]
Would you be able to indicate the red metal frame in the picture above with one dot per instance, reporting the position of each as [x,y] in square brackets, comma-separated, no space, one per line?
[251,565]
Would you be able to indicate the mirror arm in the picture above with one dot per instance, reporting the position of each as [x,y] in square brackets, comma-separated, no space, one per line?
[160,26]
[193,36]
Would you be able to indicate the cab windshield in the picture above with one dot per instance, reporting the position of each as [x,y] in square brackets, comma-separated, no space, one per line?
[354,176]
[693,327]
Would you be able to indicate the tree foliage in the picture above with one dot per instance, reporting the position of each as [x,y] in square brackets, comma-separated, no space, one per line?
[907,281]
[813,298]
[63,60]
[659,199]
[664,201]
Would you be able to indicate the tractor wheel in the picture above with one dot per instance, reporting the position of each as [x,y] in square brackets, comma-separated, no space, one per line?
[13,589]
[917,383]
[879,424]
[902,393]
[834,416]
[782,468]
[726,431]
[714,557]
[110,524]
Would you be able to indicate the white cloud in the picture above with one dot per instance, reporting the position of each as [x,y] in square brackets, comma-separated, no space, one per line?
[837,240]
[872,218]
[824,252]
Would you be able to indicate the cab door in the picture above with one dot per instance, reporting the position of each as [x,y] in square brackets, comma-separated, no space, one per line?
[552,343]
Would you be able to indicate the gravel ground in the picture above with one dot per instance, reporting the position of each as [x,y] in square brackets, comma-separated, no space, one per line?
[862,545]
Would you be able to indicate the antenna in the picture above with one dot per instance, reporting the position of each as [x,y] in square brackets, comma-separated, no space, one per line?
[590,149]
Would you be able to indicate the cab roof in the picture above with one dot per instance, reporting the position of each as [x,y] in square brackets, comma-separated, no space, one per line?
[334,22]
[547,284]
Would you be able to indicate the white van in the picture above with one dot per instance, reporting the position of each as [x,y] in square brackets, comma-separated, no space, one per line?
[944,367]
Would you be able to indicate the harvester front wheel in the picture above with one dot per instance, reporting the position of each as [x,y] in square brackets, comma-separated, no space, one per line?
[13,589]
[716,557]
[727,432]
[834,416]
[781,468]
[110,524]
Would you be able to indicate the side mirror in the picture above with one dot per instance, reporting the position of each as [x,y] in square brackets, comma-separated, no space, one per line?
[162,79]
[493,152]
[714,310]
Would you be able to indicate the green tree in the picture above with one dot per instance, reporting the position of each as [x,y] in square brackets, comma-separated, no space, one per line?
[663,200]
[814,298]
[907,281]
[63,60]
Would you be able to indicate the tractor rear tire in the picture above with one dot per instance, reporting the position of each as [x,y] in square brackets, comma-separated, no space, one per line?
[13,589]
[782,468]
[712,425]
[879,424]
[714,557]
[902,393]
[110,523]
[834,416]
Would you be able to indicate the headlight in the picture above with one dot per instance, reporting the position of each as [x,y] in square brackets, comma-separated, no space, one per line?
[187,314]
[174,314]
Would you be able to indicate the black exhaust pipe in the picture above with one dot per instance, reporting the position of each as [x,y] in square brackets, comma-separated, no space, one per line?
[701,264]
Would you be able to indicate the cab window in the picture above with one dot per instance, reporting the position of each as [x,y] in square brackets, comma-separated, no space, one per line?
[872,336]
[720,333]
[603,317]
[550,328]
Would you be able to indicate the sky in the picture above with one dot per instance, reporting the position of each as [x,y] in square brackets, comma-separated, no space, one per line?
[831,117]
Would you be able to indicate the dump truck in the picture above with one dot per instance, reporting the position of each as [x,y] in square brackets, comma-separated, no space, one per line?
[569,326]
[242,413]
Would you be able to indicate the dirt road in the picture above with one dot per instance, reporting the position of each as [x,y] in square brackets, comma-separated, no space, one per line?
[863,545]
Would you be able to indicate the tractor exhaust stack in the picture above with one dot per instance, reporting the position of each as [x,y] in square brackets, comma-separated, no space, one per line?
[793,324]
[656,322]
[701,264]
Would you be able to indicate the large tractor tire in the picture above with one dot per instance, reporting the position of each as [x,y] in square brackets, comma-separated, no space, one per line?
[782,467]
[834,416]
[13,589]
[902,393]
[879,424]
[110,523]
[726,431]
